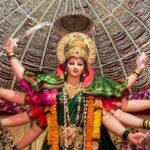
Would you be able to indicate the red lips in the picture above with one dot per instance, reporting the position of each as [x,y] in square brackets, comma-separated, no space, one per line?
[75,71]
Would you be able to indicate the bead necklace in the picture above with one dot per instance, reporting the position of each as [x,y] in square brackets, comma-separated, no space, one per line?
[67,119]
[66,108]
[84,121]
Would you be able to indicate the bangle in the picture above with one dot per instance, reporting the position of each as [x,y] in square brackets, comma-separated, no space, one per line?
[137,75]
[14,147]
[11,55]
[146,124]
[125,134]
[136,72]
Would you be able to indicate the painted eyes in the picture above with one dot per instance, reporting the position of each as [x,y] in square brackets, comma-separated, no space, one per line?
[71,63]
[79,64]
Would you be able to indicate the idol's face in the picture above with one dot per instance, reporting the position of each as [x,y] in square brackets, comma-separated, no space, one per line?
[75,67]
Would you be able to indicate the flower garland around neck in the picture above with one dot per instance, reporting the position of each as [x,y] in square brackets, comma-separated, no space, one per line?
[98,109]
[89,122]
[93,123]
[52,126]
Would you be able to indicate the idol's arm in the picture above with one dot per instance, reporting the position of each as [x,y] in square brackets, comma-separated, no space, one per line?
[131,120]
[112,124]
[128,119]
[16,97]
[133,77]
[13,96]
[15,120]
[30,137]
[135,105]
[17,67]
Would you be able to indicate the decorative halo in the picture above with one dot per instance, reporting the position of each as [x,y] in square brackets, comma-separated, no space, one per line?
[74,22]
[91,50]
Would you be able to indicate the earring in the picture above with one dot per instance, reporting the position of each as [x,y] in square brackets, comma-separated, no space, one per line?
[65,73]
[84,74]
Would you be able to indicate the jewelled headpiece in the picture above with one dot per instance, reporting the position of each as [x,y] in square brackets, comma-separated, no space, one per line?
[76,44]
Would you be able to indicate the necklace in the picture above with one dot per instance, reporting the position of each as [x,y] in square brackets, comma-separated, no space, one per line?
[72,90]
[70,129]
[66,108]
[73,86]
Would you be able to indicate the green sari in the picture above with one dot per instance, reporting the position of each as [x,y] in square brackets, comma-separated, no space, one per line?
[99,86]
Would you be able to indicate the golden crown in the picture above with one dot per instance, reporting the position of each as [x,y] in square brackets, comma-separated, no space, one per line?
[76,44]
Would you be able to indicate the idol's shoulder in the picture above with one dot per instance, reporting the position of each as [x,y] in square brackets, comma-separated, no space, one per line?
[102,86]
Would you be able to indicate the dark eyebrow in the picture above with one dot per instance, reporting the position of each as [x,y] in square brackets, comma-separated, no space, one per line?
[70,61]
[80,61]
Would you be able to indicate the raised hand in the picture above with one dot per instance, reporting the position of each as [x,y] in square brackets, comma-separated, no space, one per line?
[10,43]
[140,62]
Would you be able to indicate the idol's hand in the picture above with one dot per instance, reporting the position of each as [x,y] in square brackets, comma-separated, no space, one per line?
[145,144]
[136,138]
[141,64]
[10,45]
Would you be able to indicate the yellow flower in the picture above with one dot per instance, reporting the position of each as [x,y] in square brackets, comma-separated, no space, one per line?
[96,124]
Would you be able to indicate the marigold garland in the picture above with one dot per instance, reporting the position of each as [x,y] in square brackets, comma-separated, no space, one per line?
[48,116]
[97,124]
[93,124]
[89,122]
[52,127]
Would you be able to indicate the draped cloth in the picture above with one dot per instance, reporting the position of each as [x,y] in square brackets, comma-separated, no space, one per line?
[109,92]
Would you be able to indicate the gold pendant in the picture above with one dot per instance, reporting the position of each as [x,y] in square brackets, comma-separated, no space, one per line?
[69,135]
[72,91]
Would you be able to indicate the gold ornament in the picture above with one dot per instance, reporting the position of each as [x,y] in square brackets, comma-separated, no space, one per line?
[76,45]
[72,90]
[74,136]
